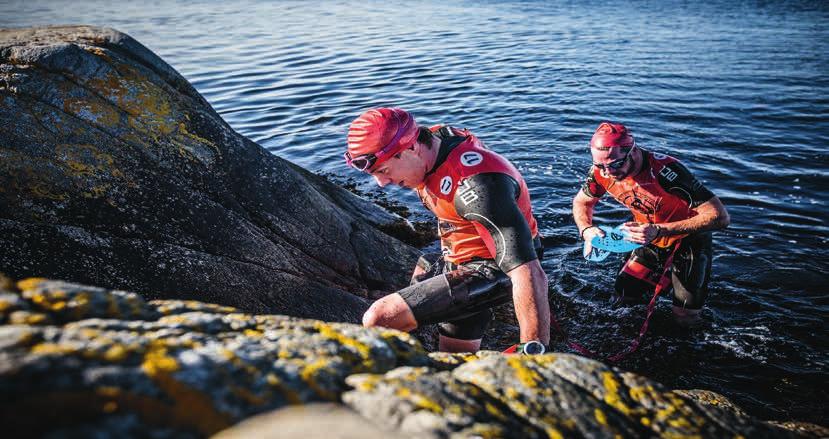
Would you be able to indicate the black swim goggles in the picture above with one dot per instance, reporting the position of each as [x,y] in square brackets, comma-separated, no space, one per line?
[615,164]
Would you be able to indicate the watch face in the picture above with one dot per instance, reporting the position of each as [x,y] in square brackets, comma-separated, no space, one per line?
[534,348]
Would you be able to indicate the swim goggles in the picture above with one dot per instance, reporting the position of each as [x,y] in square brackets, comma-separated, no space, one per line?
[365,162]
[615,164]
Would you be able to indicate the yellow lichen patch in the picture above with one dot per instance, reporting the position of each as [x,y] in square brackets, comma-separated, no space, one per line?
[30,283]
[43,190]
[679,423]
[116,353]
[52,349]
[97,51]
[645,421]
[108,391]
[527,376]
[552,433]
[29,174]
[80,304]
[89,167]
[366,382]
[93,110]
[601,418]
[611,396]
[253,333]
[493,411]
[28,318]
[89,333]
[363,350]
[157,362]
[518,407]
[192,146]
[190,407]
[182,130]
[419,400]
[228,354]
[309,376]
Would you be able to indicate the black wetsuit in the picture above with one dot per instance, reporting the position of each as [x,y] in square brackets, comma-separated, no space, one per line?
[692,261]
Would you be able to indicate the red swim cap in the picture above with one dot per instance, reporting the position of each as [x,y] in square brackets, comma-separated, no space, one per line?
[381,132]
[610,135]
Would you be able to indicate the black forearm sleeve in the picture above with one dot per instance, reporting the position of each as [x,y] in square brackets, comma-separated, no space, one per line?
[494,207]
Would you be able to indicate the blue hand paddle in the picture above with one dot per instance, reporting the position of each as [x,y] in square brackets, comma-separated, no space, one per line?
[597,255]
[614,240]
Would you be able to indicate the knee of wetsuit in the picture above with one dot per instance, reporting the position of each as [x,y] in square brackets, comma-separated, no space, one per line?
[468,328]
[629,290]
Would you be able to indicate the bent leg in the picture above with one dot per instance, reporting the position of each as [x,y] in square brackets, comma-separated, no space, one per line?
[635,282]
[690,276]
[390,312]
[449,344]
[464,335]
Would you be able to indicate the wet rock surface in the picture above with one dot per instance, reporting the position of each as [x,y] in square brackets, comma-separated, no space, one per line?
[114,171]
[78,360]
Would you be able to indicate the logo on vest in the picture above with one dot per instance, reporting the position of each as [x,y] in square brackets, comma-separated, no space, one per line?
[668,174]
[640,202]
[471,158]
[465,193]
[446,185]
[659,156]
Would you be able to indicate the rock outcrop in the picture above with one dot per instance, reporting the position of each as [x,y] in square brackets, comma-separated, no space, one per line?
[78,360]
[114,171]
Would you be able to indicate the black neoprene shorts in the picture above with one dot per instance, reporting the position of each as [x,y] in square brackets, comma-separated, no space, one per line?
[459,299]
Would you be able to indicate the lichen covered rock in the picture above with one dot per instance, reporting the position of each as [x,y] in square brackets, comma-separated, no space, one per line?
[182,365]
[100,361]
[114,171]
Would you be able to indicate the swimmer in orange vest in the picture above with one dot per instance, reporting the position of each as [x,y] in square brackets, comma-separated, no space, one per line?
[491,248]
[673,217]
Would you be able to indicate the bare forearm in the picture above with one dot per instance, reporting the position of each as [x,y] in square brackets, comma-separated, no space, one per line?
[532,306]
[712,215]
[583,211]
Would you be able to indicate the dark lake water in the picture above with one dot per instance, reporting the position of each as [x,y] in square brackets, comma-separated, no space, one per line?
[738,90]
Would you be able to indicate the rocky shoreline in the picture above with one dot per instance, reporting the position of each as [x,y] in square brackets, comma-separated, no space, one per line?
[79,360]
[207,281]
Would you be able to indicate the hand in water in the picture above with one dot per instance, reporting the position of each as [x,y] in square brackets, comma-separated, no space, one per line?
[640,233]
[588,234]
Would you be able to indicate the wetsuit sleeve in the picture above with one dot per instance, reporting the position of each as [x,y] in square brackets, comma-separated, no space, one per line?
[591,187]
[489,200]
[677,179]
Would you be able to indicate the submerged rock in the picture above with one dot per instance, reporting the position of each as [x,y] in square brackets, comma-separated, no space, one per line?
[109,362]
[114,171]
